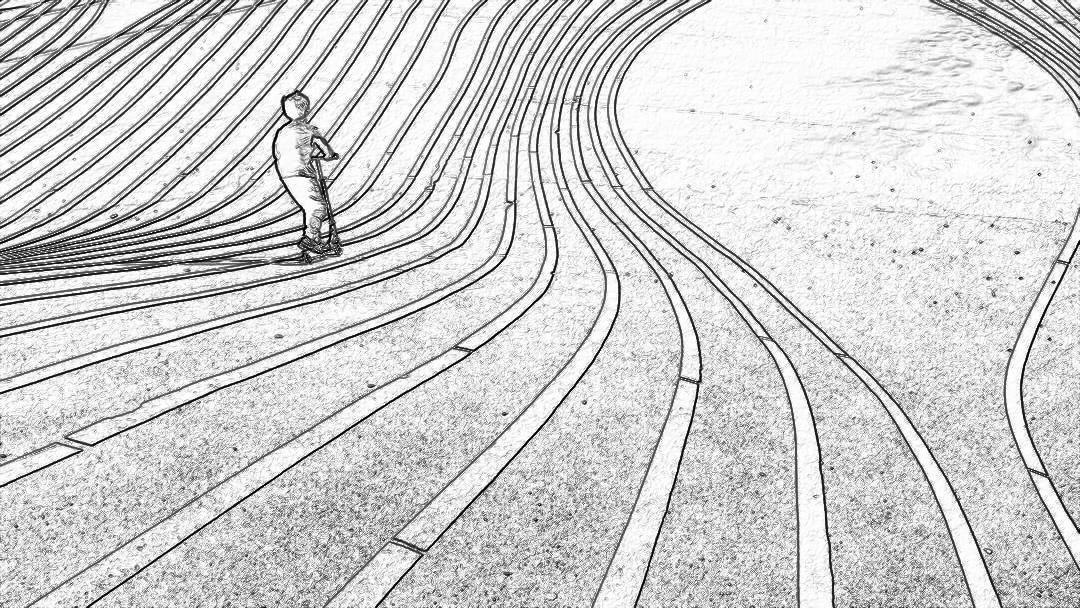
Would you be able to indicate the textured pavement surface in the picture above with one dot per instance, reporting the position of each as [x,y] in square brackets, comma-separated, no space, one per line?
[657,303]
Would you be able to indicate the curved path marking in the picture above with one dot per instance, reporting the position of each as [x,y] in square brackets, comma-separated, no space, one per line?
[65,111]
[157,27]
[1042,51]
[114,425]
[376,172]
[265,166]
[35,461]
[411,178]
[347,158]
[50,251]
[82,239]
[121,565]
[24,13]
[386,568]
[151,85]
[80,361]
[134,417]
[1014,400]
[31,20]
[193,165]
[442,163]
[814,564]
[48,243]
[401,553]
[17,63]
[318,296]
[626,572]
[120,165]
[158,18]
[980,584]
[74,41]
[157,406]
[460,180]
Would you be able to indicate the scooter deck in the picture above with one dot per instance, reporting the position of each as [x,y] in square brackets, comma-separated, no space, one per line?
[306,257]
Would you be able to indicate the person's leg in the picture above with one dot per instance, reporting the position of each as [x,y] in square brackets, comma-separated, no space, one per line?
[316,212]
[306,193]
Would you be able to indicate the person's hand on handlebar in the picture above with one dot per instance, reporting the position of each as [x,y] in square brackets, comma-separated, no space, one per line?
[322,150]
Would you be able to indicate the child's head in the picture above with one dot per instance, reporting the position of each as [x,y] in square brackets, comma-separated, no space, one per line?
[295,105]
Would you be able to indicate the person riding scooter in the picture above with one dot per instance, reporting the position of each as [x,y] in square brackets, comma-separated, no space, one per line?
[298,145]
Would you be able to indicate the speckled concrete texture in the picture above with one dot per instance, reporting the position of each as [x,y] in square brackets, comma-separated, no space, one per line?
[298,552]
[675,303]
[729,538]
[914,233]
[544,530]
[1049,385]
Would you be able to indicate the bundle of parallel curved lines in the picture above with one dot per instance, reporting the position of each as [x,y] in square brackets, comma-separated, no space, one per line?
[159,344]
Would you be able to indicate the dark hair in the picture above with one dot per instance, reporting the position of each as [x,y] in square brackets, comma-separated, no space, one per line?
[302,102]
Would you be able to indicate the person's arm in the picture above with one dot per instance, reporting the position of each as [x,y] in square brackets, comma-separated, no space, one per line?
[325,151]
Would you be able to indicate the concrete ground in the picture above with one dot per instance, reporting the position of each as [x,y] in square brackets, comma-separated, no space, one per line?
[679,303]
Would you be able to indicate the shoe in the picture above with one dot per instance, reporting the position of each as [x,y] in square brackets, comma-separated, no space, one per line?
[333,247]
[311,245]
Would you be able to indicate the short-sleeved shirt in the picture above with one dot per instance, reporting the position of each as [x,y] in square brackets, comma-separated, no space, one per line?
[293,145]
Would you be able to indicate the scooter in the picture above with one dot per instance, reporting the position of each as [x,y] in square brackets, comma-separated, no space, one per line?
[333,240]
